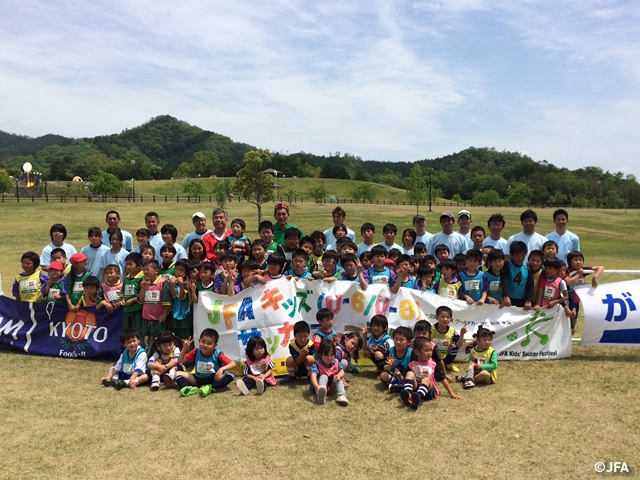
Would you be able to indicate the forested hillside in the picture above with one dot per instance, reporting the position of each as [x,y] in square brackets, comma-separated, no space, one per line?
[166,147]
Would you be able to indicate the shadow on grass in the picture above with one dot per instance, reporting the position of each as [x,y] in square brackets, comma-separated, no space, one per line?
[605,358]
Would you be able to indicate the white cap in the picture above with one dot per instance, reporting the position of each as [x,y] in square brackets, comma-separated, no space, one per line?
[199,215]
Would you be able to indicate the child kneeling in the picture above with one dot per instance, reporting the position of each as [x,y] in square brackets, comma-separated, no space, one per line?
[212,366]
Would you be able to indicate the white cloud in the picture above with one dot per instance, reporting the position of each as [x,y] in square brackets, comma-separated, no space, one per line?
[388,81]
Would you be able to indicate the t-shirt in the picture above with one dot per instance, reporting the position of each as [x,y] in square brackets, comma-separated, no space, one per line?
[278,233]
[488,361]
[452,290]
[444,340]
[363,247]
[110,258]
[206,367]
[260,367]
[500,244]
[424,370]
[131,289]
[569,242]
[127,240]
[156,297]
[424,238]
[209,240]
[191,236]
[127,366]
[474,285]
[159,357]
[295,350]
[331,239]
[456,243]
[59,288]
[389,247]
[94,255]
[533,242]
[45,256]
[385,276]
[27,287]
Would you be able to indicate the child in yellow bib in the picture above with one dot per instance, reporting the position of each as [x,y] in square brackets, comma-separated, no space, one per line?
[483,361]
[26,287]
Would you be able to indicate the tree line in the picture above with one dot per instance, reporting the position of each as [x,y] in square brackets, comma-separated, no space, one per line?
[165,147]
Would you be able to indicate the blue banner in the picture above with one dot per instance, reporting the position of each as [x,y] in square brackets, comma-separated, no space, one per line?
[52,330]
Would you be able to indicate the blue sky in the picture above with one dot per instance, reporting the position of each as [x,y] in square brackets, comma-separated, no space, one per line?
[400,81]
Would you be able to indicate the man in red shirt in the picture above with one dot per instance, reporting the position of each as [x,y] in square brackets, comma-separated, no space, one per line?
[219,217]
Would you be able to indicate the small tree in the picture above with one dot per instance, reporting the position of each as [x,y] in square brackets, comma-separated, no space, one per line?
[6,185]
[253,185]
[105,183]
[205,163]
[364,192]
[221,191]
[417,190]
[290,194]
[193,189]
[318,192]
[183,171]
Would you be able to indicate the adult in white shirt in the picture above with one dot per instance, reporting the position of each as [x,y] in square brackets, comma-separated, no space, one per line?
[533,240]
[456,242]
[152,222]
[464,224]
[496,224]
[339,217]
[113,224]
[566,240]
[420,224]
[57,233]
[199,221]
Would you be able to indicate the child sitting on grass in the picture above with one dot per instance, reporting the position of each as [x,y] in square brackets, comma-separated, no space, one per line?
[420,383]
[212,367]
[327,374]
[130,369]
[258,370]
[483,361]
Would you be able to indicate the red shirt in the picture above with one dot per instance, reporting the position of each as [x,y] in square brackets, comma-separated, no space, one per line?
[210,242]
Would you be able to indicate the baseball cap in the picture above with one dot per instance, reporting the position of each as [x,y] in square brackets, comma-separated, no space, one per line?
[56,266]
[462,213]
[199,215]
[77,257]
[447,214]
[418,217]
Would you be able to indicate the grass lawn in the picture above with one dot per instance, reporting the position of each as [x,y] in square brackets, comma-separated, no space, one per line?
[551,419]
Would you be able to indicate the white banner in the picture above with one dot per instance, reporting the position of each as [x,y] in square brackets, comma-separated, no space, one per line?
[611,316]
[271,311]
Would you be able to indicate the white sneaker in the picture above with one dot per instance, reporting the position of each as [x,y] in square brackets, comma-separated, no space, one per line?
[260,387]
[155,385]
[342,400]
[242,387]
[322,394]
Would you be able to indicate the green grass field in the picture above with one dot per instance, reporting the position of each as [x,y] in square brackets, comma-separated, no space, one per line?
[552,419]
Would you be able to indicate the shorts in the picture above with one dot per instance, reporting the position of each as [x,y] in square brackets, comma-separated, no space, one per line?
[518,302]
[302,371]
[380,363]
[134,320]
[153,328]
[182,328]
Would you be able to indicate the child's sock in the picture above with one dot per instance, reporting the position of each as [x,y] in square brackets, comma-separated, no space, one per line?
[182,382]
[408,386]
[291,371]
[155,378]
[423,391]
[469,374]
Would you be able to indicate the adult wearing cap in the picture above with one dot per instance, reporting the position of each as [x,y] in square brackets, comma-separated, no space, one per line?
[528,235]
[199,221]
[113,224]
[57,233]
[456,242]
[464,224]
[152,222]
[219,217]
[281,214]
[420,226]
[339,217]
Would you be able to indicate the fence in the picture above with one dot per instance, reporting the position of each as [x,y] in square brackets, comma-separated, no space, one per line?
[211,199]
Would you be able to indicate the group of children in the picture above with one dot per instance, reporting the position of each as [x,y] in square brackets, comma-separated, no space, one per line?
[408,362]
[157,298]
